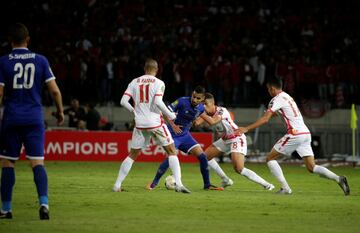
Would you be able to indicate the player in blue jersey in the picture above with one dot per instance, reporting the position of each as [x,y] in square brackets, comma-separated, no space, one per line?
[187,109]
[22,75]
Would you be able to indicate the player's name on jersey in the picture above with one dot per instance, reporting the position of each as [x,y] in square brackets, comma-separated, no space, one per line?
[21,56]
[146,80]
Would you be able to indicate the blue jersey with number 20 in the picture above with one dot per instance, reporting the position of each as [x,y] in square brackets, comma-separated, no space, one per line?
[23,73]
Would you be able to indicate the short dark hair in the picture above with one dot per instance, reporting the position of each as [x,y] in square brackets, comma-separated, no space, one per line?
[209,96]
[275,82]
[200,90]
[18,33]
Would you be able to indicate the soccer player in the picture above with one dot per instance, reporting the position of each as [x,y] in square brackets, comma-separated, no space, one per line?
[22,74]
[229,143]
[147,92]
[298,137]
[187,109]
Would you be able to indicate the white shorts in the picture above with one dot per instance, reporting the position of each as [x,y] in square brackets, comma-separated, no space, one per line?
[289,143]
[237,145]
[141,137]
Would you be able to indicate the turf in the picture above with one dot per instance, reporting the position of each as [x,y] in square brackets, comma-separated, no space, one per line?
[81,201]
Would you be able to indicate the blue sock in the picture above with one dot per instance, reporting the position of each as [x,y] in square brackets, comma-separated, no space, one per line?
[7,184]
[41,182]
[204,169]
[160,172]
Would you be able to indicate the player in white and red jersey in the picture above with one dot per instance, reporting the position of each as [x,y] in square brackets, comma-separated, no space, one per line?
[147,92]
[298,137]
[229,143]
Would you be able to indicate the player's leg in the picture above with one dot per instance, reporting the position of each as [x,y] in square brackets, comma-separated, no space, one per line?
[306,152]
[276,170]
[7,184]
[41,182]
[322,171]
[199,153]
[163,138]
[285,146]
[191,146]
[204,167]
[9,153]
[125,168]
[238,160]
[34,139]
[211,152]
[139,140]
[163,167]
[174,165]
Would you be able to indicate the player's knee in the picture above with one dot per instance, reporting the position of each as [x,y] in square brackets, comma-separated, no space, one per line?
[310,168]
[209,156]
[170,149]
[36,162]
[8,163]
[134,153]
[238,169]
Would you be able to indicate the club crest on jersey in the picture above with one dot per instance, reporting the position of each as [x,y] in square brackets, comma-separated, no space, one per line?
[176,102]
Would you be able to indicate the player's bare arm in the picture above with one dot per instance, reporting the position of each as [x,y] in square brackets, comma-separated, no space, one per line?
[56,95]
[198,121]
[211,120]
[261,121]
[175,127]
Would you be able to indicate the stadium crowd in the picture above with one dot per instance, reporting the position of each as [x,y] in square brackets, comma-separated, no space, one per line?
[231,47]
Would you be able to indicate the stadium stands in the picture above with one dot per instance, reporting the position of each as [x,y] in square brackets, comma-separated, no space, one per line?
[230,46]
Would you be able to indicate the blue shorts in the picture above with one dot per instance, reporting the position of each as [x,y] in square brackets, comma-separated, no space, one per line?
[185,142]
[13,137]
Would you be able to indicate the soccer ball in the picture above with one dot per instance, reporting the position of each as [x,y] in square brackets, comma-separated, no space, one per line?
[170,182]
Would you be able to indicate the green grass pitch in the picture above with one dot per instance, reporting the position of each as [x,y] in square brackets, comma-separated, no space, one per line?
[81,201]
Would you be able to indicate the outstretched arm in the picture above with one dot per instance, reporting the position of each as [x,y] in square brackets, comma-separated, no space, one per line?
[262,120]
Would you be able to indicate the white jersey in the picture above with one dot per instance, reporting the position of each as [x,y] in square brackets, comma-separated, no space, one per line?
[284,105]
[143,90]
[226,126]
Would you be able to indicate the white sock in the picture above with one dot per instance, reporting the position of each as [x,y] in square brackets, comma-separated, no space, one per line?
[216,167]
[123,171]
[254,177]
[174,165]
[324,172]
[275,169]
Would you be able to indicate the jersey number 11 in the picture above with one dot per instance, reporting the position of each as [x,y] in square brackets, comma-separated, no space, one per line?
[144,93]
